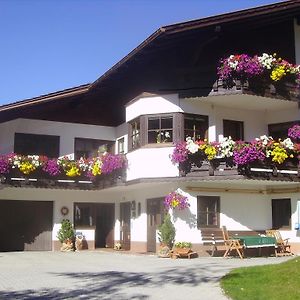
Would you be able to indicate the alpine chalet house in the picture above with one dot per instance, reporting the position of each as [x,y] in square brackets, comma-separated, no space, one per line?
[183,122]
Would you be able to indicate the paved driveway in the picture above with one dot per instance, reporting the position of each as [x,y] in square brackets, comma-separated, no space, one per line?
[117,276]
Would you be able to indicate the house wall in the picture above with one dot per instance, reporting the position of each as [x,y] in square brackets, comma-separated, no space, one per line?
[282,116]
[152,105]
[66,131]
[65,198]
[150,163]
[239,211]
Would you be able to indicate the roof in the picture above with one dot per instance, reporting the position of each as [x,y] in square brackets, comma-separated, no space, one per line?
[268,13]
[276,9]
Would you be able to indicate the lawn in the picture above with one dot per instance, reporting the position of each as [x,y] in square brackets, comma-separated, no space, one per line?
[280,281]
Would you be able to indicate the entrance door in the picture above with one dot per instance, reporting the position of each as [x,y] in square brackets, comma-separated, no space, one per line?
[155,213]
[125,212]
[26,225]
[105,217]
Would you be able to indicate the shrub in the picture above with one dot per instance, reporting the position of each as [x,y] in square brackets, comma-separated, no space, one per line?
[166,233]
[66,231]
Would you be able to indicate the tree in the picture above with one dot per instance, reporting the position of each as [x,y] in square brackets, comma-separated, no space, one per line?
[166,233]
[66,231]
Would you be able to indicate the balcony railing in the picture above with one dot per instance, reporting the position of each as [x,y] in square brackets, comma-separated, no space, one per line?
[278,90]
[39,171]
[264,157]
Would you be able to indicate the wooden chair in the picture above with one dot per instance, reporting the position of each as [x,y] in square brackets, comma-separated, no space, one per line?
[282,248]
[232,244]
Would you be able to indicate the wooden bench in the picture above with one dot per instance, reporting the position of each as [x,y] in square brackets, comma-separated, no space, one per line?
[214,237]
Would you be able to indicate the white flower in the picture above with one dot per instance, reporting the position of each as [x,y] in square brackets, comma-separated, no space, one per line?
[264,139]
[191,146]
[226,147]
[266,60]
[232,63]
[287,143]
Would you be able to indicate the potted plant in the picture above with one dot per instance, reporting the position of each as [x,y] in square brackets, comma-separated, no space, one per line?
[166,236]
[183,248]
[66,235]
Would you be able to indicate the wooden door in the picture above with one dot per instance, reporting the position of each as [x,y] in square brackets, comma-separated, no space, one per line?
[105,218]
[125,213]
[26,225]
[155,214]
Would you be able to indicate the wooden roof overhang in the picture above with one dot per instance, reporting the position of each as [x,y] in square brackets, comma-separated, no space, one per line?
[179,58]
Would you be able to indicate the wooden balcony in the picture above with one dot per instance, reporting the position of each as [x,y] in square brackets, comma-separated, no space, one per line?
[39,180]
[222,169]
[264,88]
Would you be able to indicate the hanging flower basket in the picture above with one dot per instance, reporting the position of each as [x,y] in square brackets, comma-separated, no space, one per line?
[176,200]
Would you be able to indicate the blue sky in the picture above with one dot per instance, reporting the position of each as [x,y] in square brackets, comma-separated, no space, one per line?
[50,45]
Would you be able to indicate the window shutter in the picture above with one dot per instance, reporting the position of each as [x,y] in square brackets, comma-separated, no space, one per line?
[178,127]
[129,137]
[143,130]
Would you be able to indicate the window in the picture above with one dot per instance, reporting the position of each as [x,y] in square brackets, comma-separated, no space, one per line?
[235,129]
[208,209]
[135,134]
[88,148]
[195,126]
[84,214]
[121,146]
[281,213]
[160,129]
[280,130]
[36,144]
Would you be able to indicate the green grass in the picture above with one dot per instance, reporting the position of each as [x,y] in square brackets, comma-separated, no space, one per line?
[280,281]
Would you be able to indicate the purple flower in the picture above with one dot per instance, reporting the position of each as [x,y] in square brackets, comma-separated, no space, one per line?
[180,153]
[4,164]
[239,67]
[294,132]
[176,200]
[247,154]
[112,162]
[51,167]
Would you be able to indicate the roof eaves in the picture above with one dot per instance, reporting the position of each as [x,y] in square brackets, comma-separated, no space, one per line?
[47,97]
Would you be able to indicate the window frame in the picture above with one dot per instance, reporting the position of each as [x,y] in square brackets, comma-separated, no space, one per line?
[283,128]
[109,144]
[216,211]
[194,117]
[241,129]
[160,130]
[280,207]
[39,139]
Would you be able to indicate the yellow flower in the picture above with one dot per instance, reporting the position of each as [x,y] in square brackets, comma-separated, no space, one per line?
[96,170]
[278,72]
[175,202]
[73,171]
[210,152]
[279,155]
[26,167]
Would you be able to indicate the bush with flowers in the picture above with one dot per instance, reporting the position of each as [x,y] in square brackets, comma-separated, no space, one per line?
[176,200]
[244,67]
[263,150]
[63,166]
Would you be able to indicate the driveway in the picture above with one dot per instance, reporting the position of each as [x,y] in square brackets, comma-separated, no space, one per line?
[117,276]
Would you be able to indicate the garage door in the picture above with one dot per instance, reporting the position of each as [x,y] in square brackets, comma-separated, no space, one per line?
[25,225]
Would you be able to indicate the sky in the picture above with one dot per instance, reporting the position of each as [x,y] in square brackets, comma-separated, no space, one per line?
[51,45]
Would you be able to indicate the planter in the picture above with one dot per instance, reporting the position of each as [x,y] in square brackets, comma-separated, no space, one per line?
[182,252]
[67,246]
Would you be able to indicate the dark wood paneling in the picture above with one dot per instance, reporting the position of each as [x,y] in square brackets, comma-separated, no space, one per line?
[125,214]
[154,219]
[26,225]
